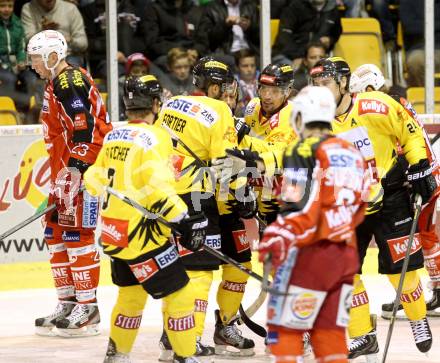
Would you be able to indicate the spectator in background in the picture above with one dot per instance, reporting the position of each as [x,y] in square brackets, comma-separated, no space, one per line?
[38,15]
[170,24]
[304,21]
[314,52]
[228,26]
[180,81]
[412,16]
[13,56]
[247,77]
[129,39]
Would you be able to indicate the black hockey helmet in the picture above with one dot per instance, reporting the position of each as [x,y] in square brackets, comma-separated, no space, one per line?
[334,67]
[139,92]
[277,75]
[210,71]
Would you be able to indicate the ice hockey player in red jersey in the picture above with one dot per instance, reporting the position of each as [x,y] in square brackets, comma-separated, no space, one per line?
[312,244]
[75,121]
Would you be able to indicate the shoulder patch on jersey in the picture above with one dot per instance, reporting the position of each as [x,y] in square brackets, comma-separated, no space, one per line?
[250,108]
[202,113]
[143,138]
[274,121]
[372,106]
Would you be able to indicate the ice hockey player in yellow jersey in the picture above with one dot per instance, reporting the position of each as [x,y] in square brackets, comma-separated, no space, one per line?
[206,126]
[268,117]
[143,261]
[374,122]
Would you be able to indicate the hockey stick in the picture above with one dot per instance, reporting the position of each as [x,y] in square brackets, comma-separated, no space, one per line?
[29,220]
[402,274]
[208,249]
[256,328]
[200,162]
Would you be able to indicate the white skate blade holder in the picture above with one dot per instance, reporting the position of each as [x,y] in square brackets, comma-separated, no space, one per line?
[230,351]
[85,331]
[45,331]
[369,358]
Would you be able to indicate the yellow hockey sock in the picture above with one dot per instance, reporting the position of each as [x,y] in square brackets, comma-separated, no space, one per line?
[179,323]
[202,281]
[360,322]
[126,317]
[231,290]
[412,297]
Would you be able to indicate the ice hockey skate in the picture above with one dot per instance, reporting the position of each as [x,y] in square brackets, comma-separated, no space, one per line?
[387,312]
[112,356]
[83,321]
[433,305]
[422,334]
[44,326]
[365,345]
[167,354]
[229,341]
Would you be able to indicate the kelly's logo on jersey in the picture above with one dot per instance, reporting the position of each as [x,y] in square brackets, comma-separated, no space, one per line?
[372,106]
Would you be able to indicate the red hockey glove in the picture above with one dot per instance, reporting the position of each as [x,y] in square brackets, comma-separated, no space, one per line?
[276,241]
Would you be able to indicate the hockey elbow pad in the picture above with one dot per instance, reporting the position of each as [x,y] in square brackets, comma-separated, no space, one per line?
[421,179]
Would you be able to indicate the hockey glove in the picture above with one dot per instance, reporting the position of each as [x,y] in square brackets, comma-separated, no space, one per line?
[246,205]
[421,179]
[249,157]
[276,241]
[242,128]
[192,231]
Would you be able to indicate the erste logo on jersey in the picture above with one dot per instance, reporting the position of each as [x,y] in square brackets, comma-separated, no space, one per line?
[141,137]
[360,139]
[372,106]
[201,113]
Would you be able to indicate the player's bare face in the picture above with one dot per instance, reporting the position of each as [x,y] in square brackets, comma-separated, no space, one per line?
[330,83]
[272,98]
[38,66]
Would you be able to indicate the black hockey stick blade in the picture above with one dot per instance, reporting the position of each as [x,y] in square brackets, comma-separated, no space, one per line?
[256,328]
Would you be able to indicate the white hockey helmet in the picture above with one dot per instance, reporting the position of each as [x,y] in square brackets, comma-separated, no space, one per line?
[46,42]
[364,76]
[315,104]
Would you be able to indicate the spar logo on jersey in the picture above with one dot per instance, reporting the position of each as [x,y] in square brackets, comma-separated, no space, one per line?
[372,106]
[304,305]
[90,211]
[358,136]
